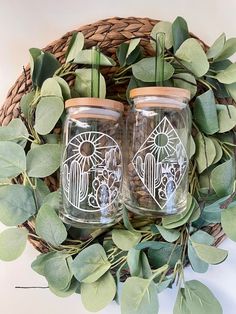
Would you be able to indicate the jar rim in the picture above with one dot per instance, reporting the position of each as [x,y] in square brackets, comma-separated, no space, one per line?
[160,91]
[94,102]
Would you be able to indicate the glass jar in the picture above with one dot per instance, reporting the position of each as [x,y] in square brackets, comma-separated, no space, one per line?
[92,166]
[158,132]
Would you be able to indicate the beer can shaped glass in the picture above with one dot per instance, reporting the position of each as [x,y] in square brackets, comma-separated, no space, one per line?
[92,165]
[158,132]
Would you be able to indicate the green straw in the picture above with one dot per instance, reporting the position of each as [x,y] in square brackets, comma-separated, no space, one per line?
[95,75]
[159,59]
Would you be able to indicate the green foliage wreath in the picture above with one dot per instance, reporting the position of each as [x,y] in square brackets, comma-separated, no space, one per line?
[137,258]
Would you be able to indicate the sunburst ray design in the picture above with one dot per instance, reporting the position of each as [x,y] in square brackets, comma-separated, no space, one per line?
[92,157]
[161,156]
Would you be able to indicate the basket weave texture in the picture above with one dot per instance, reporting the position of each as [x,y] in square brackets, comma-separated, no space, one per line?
[108,34]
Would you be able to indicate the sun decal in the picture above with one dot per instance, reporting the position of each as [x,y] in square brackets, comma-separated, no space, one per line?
[91,171]
[161,141]
[87,149]
[161,162]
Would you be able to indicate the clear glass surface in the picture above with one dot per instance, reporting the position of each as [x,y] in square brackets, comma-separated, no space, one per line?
[156,155]
[91,168]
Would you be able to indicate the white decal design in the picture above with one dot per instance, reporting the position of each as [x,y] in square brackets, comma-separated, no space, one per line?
[92,171]
[161,162]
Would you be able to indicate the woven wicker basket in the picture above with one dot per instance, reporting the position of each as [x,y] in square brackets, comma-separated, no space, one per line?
[108,34]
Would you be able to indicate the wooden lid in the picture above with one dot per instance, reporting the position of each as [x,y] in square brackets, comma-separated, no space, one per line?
[94,102]
[160,91]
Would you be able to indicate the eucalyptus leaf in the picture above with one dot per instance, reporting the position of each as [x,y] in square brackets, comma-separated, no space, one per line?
[200,299]
[192,148]
[197,264]
[217,47]
[222,178]
[205,152]
[41,191]
[87,57]
[218,66]
[138,264]
[196,211]
[49,226]
[45,65]
[83,81]
[39,263]
[139,296]
[228,221]
[73,287]
[48,112]
[144,70]
[121,53]
[227,138]
[134,263]
[220,90]
[181,305]
[43,160]
[57,271]
[186,81]
[101,292]
[51,87]
[170,235]
[205,114]
[163,27]
[161,286]
[34,54]
[12,159]
[219,151]
[75,46]
[12,243]
[53,200]
[193,57]
[51,138]
[231,88]
[180,32]
[227,76]
[25,103]
[211,213]
[146,271]
[16,204]
[126,220]
[226,117]
[90,264]
[65,89]
[125,239]
[229,49]
[15,131]
[177,220]
[5,181]
[209,254]
[161,256]
[132,45]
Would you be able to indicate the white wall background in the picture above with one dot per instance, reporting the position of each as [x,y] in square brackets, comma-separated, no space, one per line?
[30,23]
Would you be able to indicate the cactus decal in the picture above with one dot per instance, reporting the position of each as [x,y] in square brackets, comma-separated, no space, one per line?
[161,162]
[91,171]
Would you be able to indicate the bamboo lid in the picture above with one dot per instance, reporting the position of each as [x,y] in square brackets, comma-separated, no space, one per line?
[95,102]
[160,91]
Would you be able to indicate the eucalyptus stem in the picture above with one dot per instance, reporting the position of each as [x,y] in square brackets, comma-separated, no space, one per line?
[117,74]
[119,261]
[67,73]
[27,179]
[207,84]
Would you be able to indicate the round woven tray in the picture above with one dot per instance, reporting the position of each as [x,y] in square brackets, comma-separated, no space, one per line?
[108,34]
